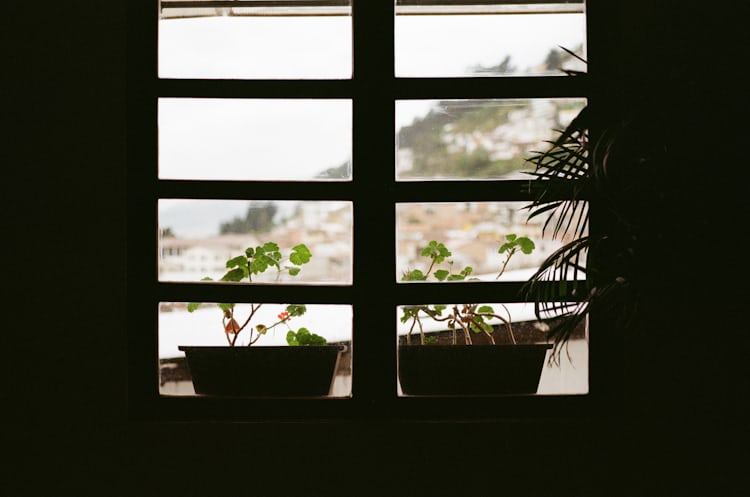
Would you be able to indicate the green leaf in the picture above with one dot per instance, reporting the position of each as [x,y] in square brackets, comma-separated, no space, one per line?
[480,326]
[304,337]
[293,271]
[505,247]
[270,247]
[409,312]
[527,246]
[300,254]
[238,261]
[413,275]
[262,262]
[237,274]
[486,309]
[226,307]
[296,310]
[193,306]
[436,251]
[442,274]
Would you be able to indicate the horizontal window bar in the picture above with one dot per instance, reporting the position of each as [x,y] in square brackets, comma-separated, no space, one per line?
[256,190]
[490,87]
[464,291]
[229,88]
[462,191]
[458,291]
[472,191]
[403,88]
[254,292]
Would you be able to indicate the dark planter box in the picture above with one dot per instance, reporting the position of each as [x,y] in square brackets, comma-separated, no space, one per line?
[471,369]
[282,371]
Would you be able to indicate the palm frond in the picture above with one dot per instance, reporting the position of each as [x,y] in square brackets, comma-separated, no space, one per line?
[559,278]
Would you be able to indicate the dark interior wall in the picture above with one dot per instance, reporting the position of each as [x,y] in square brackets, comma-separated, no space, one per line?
[678,432]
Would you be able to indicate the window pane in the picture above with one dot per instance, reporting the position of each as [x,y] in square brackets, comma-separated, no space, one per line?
[475,139]
[205,327]
[247,139]
[255,43]
[473,233]
[476,43]
[198,237]
[518,351]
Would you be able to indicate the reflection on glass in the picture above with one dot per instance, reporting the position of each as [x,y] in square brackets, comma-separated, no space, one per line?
[247,139]
[204,327]
[475,139]
[255,43]
[502,325]
[491,239]
[198,237]
[488,44]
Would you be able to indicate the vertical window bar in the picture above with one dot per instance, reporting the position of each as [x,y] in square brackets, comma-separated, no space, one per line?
[374,234]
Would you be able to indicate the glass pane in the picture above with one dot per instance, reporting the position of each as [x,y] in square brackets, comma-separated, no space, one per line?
[509,354]
[255,43]
[198,237]
[239,139]
[477,43]
[487,241]
[476,139]
[205,327]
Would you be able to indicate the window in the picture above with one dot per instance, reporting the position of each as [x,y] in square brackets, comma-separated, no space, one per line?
[420,119]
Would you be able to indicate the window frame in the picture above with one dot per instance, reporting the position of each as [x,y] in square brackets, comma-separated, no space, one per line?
[374,381]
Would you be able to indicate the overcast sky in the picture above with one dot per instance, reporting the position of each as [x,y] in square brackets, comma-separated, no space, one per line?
[252,139]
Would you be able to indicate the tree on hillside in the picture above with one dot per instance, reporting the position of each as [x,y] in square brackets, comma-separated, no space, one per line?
[259,218]
[504,67]
[342,171]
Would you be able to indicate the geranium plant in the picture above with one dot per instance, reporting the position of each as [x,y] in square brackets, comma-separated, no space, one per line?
[244,267]
[468,318]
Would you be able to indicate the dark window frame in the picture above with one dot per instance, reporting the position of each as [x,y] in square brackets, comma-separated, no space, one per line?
[373,90]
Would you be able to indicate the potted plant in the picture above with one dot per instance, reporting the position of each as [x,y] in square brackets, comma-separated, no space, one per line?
[625,169]
[305,367]
[471,362]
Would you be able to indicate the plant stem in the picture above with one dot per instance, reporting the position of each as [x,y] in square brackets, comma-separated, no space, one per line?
[505,263]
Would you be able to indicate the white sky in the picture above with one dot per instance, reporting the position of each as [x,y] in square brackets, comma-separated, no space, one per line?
[282,140]
[252,139]
[257,140]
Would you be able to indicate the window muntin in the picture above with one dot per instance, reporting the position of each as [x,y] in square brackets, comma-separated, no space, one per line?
[252,43]
[478,43]
[475,139]
[198,237]
[255,139]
